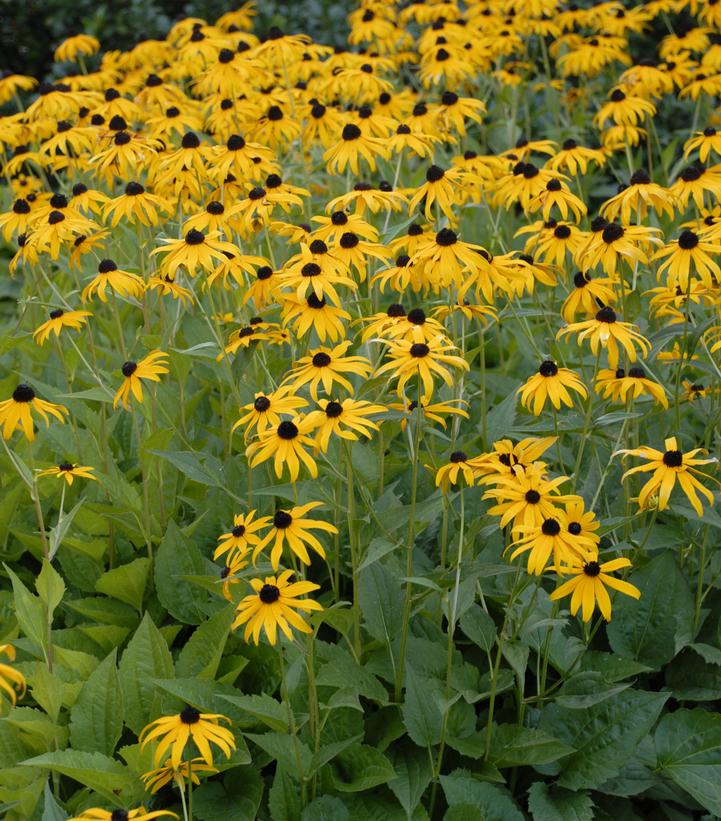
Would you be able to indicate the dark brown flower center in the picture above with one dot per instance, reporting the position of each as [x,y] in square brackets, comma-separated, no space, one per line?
[269,593]
[190,715]
[673,458]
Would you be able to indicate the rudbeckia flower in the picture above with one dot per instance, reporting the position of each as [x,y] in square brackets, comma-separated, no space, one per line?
[195,250]
[689,250]
[273,604]
[621,386]
[139,814]
[81,45]
[265,410]
[586,295]
[326,366]
[68,471]
[344,419]
[457,468]
[136,204]
[551,382]
[353,146]
[242,537]
[589,586]
[122,283]
[605,330]
[155,780]
[441,187]
[174,732]
[16,412]
[669,467]
[693,181]
[12,681]
[286,443]
[635,200]
[150,368]
[58,320]
[705,142]
[292,527]
[552,539]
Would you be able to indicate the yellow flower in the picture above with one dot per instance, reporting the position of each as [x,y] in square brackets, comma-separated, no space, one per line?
[58,320]
[551,382]
[286,443]
[69,471]
[149,368]
[155,780]
[589,586]
[12,681]
[239,540]
[292,527]
[77,46]
[140,814]
[424,360]
[174,732]
[606,331]
[273,604]
[16,412]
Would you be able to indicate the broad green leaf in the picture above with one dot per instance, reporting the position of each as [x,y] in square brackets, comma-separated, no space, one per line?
[421,715]
[189,463]
[264,708]
[237,798]
[692,678]
[551,804]
[360,767]
[654,628]
[284,797]
[514,746]
[381,602]
[145,658]
[30,612]
[202,652]
[326,808]
[52,811]
[58,533]
[96,719]
[293,755]
[460,787]
[343,671]
[688,746]
[414,772]
[109,778]
[586,689]
[479,627]
[329,751]
[50,587]
[178,556]
[126,583]
[604,735]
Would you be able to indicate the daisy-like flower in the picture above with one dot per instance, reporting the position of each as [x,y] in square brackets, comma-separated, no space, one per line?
[291,527]
[172,733]
[16,412]
[326,367]
[610,244]
[441,186]
[122,283]
[582,522]
[507,458]
[588,587]
[552,538]
[424,360]
[344,419]
[81,45]
[139,814]
[586,295]
[266,409]
[58,320]
[286,443]
[620,386]
[242,537]
[150,368]
[136,204]
[69,472]
[689,251]
[705,142]
[353,146]
[155,780]
[195,250]
[605,330]
[670,466]
[274,604]
[634,200]
[12,681]
[457,468]
[551,382]
[431,411]
[694,181]
[575,158]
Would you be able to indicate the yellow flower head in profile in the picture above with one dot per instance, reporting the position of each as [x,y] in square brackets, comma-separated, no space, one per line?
[160,777]
[16,412]
[69,471]
[589,583]
[174,732]
[286,443]
[605,330]
[273,604]
[140,814]
[150,368]
[457,468]
[58,320]
[551,382]
[668,468]
[81,45]
[12,681]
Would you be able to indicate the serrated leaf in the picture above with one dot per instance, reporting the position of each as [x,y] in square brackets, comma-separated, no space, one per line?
[414,774]
[29,611]
[326,808]
[360,767]
[460,787]
[145,658]
[688,746]
[421,715]
[479,627]
[177,557]
[50,587]
[96,719]
[292,754]
[126,583]
[263,707]
[514,746]
[550,804]
[202,652]
[52,811]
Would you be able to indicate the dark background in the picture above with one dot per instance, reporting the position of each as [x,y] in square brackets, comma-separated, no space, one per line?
[31,29]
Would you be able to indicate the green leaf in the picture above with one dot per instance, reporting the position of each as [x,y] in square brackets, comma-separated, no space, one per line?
[329,751]
[284,797]
[126,583]
[688,746]
[263,707]
[421,714]
[479,627]
[29,611]
[414,772]
[109,778]
[57,534]
[326,808]
[514,746]
[381,602]
[292,754]
[145,658]
[692,678]
[188,463]
[460,787]
[202,652]
[236,799]
[52,811]
[604,735]
[96,719]
[360,767]
[50,587]
[343,671]
[177,557]
[586,689]
[550,804]
[654,628]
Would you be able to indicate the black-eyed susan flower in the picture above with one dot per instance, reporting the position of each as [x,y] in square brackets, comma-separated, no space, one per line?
[80,45]
[69,471]
[17,411]
[326,367]
[621,386]
[242,537]
[58,320]
[689,253]
[441,186]
[605,330]
[615,243]
[345,419]
[431,411]
[139,814]
[12,681]
[552,539]
[292,527]
[670,466]
[575,158]
[274,604]
[551,382]
[109,276]
[172,733]
[156,779]
[588,587]
[694,181]
[635,200]
[136,205]
[286,444]
[586,295]
[423,360]
[353,146]
[458,467]
[506,458]
[195,250]
[266,410]
[705,142]
[150,367]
